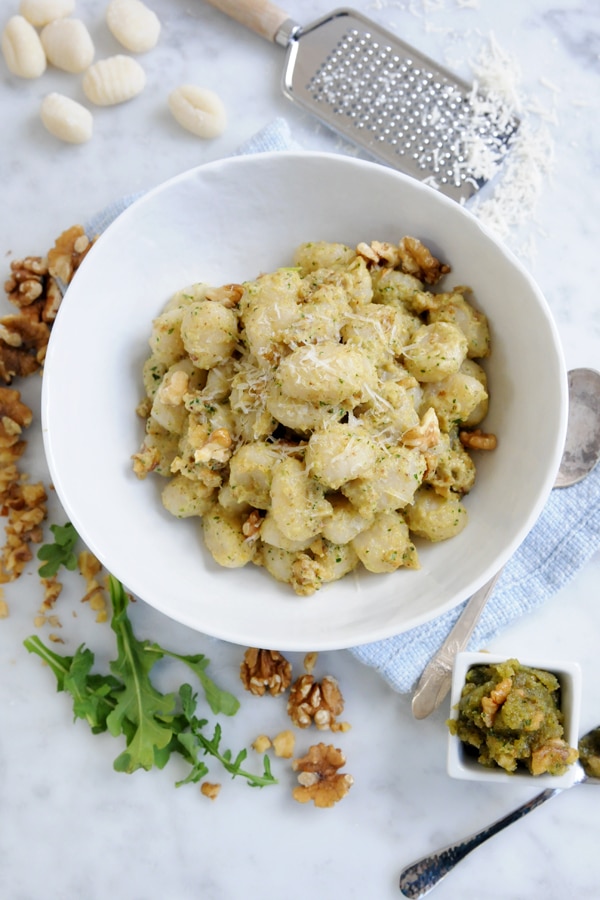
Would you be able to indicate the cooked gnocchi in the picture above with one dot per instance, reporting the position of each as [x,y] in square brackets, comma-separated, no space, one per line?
[314,419]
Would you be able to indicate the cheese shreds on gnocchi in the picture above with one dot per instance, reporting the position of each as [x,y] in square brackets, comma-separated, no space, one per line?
[319,418]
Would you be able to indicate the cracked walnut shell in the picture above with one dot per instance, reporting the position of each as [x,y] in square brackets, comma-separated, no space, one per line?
[319,779]
[319,702]
[265,670]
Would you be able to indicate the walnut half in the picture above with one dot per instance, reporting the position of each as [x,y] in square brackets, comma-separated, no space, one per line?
[319,779]
[478,440]
[265,670]
[312,701]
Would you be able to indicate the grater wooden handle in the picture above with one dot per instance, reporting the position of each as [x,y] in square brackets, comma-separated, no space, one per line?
[259,15]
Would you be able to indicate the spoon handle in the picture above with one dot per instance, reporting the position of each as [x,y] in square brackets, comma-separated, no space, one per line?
[435,681]
[421,876]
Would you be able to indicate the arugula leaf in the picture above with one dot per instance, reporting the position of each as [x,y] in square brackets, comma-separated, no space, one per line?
[139,704]
[60,553]
[220,701]
[126,703]
[91,693]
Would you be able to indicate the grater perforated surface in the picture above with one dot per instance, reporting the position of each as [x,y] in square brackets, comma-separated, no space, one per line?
[401,107]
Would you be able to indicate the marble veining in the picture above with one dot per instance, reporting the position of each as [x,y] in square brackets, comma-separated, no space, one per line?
[73,829]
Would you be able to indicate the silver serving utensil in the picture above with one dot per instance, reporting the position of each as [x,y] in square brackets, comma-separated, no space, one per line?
[421,876]
[580,456]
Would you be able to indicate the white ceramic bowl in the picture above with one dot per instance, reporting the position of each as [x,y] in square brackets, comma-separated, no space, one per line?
[461,764]
[226,222]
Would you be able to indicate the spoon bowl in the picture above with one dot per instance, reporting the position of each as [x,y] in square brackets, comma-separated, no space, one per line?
[582,444]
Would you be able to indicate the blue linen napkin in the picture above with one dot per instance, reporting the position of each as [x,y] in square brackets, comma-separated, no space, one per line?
[564,538]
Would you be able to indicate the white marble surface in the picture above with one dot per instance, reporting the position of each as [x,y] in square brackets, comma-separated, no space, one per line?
[72,829]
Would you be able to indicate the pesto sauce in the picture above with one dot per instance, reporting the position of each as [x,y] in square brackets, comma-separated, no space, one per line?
[511,716]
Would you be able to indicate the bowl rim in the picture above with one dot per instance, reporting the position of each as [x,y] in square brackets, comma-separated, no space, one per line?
[569,674]
[324,639]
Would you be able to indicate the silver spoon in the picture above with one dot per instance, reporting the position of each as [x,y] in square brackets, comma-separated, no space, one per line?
[580,455]
[421,876]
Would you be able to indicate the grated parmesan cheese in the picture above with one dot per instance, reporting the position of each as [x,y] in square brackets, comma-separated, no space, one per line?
[516,190]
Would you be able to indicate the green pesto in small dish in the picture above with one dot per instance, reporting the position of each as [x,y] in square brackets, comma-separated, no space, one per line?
[511,715]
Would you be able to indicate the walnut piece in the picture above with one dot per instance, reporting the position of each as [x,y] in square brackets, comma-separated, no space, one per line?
[210,790]
[478,440]
[312,701]
[23,343]
[95,592]
[417,260]
[262,743]
[265,670]
[380,252]
[52,590]
[228,295]
[25,506]
[284,744]
[490,705]
[310,661]
[33,287]
[251,526]
[14,416]
[319,779]
[426,434]
[554,755]
[26,281]
[70,249]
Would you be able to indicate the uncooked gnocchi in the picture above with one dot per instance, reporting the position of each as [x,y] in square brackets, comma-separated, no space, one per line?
[316,419]
[41,12]
[133,24]
[66,119]
[68,45]
[22,48]
[113,80]
[199,110]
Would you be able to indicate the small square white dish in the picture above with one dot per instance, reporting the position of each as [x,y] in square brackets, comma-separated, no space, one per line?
[463,764]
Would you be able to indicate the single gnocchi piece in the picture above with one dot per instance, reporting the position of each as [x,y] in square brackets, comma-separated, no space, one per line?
[209,333]
[436,351]
[386,544]
[338,453]
[298,505]
[435,517]
[113,80]
[185,498]
[225,538]
[22,48]
[251,473]
[133,24]
[68,45]
[41,12]
[66,119]
[198,110]
[326,373]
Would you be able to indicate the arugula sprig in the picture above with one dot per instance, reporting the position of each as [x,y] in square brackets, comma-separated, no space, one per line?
[193,739]
[60,553]
[125,702]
